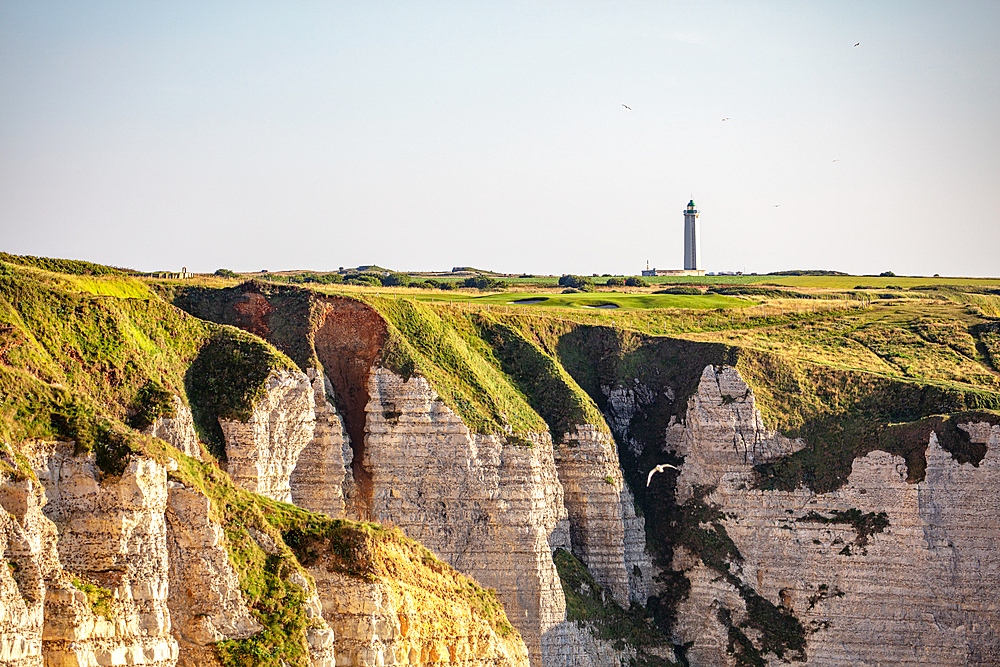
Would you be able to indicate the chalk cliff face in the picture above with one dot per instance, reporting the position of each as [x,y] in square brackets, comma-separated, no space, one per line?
[177,431]
[409,620]
[604,530]
[113,537]
[322,475]
[263,451]
[492,510]
[204,591]
[915,585]
[491,507]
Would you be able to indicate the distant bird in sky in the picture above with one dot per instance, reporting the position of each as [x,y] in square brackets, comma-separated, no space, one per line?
[627,107]
[659,468]
[858,44]
[836,160]
[725,119]
[777,205]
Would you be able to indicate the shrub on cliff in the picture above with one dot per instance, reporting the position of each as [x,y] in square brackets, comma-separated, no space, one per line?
[485,283]
[226,273]
[576,282]
[226,379]
[396,280]
[367,279]
[679,289]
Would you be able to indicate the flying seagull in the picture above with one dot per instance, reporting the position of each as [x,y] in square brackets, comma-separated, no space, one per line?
[836,160]
[627,107]
[725,119]
[858,44]
[659,468]
[777,205]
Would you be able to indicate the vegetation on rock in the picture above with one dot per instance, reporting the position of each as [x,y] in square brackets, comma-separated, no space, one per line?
[591,606]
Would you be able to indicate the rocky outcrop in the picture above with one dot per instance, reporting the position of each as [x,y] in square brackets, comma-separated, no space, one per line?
[575,644]
[878,572]
[112,541]
[322,472]
[593,488]
[638,564]
[262,451]
[490,509]
[27,543]
[123,571]
[177,431]
[622,404]
[204,591]
[415,618]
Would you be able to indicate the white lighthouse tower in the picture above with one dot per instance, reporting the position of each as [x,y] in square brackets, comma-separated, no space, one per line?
[692,244]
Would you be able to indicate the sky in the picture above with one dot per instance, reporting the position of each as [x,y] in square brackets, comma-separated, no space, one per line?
[428,135]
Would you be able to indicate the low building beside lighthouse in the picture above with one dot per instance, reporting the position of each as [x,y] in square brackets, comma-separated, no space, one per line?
[692,248]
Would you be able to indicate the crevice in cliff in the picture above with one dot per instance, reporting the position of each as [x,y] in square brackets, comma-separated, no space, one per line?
[348,338]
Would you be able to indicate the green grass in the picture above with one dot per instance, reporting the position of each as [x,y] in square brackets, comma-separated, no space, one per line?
[588,300]
[78,366]
[849,282]
[66,266]
[545,384]
[588,604]
[101,599]
[445,348]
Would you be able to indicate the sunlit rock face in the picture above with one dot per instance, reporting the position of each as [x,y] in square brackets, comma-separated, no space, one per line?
[492,510]
[111,535]
[322,475]
[262,451]
[605,532]
[177,431]
[921,591]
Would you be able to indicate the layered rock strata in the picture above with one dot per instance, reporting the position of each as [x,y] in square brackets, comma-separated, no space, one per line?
[27,543]
[409,620]
[204,590]
[576,645]
[124,571]
[593,489]
[919,591]
[322,472]
[177,431]
[112,537]
[262,451]
[492,510]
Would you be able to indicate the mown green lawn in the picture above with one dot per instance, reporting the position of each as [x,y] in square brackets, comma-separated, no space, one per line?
[592,300]
[819,282]
[850,282]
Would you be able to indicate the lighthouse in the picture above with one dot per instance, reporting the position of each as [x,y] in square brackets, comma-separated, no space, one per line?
[692,245]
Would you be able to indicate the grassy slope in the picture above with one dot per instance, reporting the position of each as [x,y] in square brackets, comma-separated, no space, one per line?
[72,365]
[75,353]
[484,369]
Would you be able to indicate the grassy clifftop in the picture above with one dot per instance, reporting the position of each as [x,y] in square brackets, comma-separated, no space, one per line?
[94,356]
[480,363]
[485,368]
[87,358]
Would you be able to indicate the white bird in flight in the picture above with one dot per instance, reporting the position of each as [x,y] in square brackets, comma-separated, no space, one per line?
[659,468]
[627,107]
[725,119]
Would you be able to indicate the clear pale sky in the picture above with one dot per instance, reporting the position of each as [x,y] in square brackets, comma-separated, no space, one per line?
[428,135]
